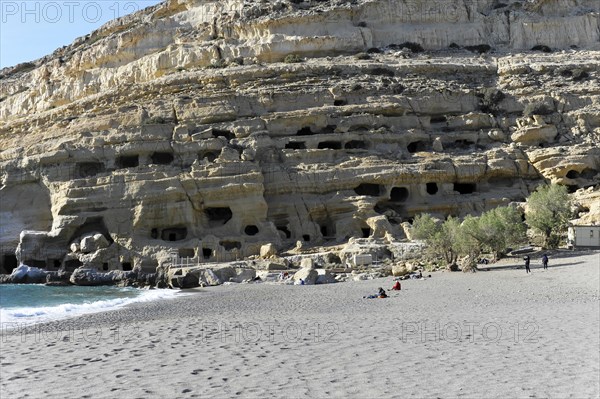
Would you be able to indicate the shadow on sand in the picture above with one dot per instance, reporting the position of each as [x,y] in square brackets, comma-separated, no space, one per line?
[488,268]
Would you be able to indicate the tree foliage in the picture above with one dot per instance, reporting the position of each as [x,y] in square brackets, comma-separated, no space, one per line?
[497,229]
[442,238]
[494,231]
[548,212]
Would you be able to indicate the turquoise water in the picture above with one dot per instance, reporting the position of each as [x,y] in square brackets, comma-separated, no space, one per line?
[35,303]
[37,295]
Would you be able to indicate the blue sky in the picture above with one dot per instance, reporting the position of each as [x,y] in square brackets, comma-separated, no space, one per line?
[32,29]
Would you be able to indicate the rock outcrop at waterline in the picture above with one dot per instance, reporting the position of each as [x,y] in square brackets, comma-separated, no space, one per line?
[191,127]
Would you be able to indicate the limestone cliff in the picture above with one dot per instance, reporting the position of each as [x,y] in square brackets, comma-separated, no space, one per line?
[212,127]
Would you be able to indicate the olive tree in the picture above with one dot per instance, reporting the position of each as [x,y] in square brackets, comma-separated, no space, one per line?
[442,238]
[548,212]
[497,229]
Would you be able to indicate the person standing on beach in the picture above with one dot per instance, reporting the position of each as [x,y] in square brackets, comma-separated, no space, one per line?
[527,260]
[545,261]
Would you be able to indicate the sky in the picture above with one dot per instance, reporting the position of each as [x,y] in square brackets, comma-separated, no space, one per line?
[31,29]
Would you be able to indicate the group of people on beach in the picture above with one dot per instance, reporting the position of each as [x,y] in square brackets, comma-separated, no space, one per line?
[527,260]
[397,286]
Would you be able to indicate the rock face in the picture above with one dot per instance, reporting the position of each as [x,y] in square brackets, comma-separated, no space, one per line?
[192,127]
[308,275]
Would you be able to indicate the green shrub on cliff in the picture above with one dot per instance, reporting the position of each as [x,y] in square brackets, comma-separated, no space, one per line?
[292,58]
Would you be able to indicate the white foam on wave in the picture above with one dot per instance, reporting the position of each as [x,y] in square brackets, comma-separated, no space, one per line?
[33,315]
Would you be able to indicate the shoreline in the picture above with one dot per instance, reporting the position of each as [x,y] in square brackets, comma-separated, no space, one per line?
[454,335]
[32,316]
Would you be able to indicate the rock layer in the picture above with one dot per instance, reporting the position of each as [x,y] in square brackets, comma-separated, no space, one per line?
[178,132]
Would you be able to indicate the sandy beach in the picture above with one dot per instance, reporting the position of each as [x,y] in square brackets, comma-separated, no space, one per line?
[496,333]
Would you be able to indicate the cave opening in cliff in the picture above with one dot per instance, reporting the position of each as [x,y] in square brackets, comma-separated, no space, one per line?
[218,216]
[105,266]
[572,174]
[40,264]
[462,144]
[306,237]
[373,190]
[186,252]
[355,145]
[89,169]
[305,131]
[340,103]
[588,173]
[223,133]
[366,232]
[162,158]
[328,129]
[296,145]
[330,145]
[571,188]
[148,265]
[416,146]
[251,230]
[432,188]
[174,234]
[206,253]
[9,263]
[127,161]
[53,264]
[285,230]
[399,194]
[126,266]
[438,119]
[585,174]
[72,264]
[393,212]
[584,209]
[465,188]
[154,233]
[230,245]
[92,225]
[210,156]
[327,230]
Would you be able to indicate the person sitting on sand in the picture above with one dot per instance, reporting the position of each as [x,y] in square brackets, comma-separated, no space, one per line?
[416,276]
[380,294]
[397,286]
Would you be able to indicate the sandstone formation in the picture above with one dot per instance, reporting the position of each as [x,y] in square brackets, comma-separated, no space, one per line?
[206,129]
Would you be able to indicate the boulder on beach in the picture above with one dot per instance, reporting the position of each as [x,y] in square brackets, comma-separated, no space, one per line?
[308,275]
[399,270]
[325,277]
[90,276]
[189,280]
[268,250]
[208,277]
[307,263]
[58,279]
[24,274]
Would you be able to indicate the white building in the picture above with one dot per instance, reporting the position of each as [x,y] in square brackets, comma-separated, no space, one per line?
[584,236]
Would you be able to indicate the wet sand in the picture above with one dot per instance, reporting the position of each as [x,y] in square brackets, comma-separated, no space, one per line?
[496,333]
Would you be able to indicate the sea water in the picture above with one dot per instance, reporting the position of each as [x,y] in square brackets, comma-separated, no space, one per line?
[35,303]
